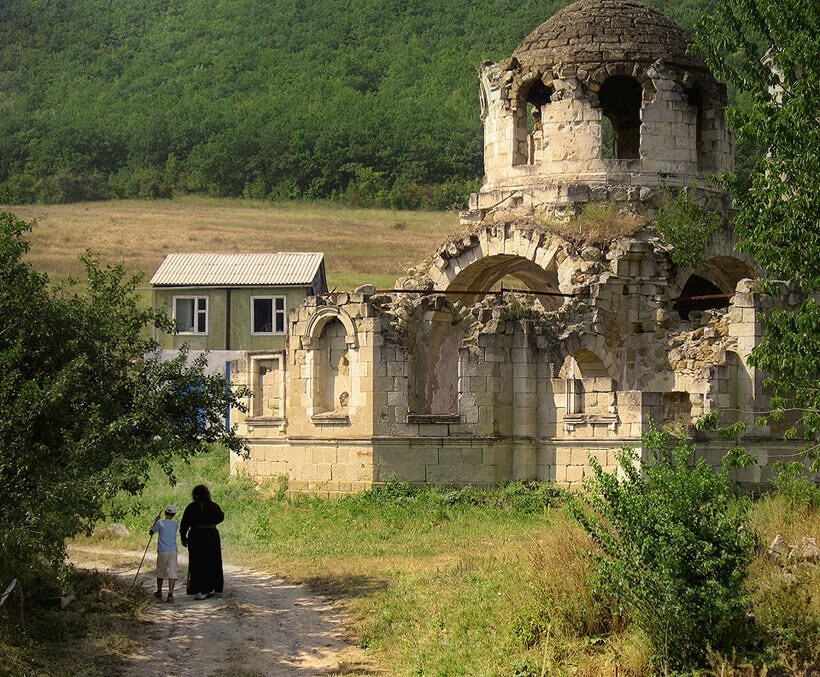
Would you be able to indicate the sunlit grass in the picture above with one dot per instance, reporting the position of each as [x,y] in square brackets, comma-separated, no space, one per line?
[449,581]
[360,245]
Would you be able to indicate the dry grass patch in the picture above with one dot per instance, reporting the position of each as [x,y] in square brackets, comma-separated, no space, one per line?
[86,638]
[360,245]
[597,224]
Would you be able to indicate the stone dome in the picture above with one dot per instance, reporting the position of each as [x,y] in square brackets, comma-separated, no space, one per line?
[606,31]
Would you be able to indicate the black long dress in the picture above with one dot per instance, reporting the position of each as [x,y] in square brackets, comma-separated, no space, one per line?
[198,525]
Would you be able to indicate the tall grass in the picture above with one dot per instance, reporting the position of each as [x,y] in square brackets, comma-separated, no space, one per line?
[462,581]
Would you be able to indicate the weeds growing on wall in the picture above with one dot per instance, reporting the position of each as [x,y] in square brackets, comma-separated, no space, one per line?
[597,223]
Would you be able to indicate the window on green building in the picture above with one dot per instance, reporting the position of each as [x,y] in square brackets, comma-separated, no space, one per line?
[267,314]
[191,314]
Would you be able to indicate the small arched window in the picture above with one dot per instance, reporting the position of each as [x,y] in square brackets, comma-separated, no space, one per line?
[621,98]
[528,122]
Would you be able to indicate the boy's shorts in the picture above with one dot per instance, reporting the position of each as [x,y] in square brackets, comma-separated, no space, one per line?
[167,564]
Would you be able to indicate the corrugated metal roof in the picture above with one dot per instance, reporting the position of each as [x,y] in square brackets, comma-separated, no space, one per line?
[282,268]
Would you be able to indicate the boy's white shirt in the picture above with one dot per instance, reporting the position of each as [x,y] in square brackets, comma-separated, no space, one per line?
[166,534]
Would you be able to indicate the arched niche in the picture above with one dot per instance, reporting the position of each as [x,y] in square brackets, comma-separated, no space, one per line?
[331,360]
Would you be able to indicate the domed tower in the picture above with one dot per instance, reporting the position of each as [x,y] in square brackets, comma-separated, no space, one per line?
[601,102]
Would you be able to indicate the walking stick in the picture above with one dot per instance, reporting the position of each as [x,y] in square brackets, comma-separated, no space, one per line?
[146,550]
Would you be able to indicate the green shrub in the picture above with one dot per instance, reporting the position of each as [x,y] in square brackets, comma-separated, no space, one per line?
[65,186]
[792,484]
[672,550]
[18,189]
[688,227]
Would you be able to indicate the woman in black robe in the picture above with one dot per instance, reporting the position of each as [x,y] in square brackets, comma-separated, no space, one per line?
[199,534]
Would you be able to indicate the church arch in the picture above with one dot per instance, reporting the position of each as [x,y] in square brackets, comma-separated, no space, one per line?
[472,266]
[716,279]
[331,362]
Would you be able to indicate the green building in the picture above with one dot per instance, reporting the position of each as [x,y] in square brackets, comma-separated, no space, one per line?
[234,302]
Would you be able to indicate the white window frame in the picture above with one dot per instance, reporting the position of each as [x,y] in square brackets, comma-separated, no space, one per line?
[274,312]
[197,312]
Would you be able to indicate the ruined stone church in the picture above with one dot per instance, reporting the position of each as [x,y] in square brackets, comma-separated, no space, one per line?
[558,326]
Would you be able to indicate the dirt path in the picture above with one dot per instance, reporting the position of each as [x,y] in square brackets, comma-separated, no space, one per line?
[260,625]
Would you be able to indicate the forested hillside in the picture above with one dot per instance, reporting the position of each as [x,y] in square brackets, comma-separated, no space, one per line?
[374,100]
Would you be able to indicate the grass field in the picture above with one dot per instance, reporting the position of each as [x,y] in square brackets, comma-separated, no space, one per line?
[360,245]
[465,581]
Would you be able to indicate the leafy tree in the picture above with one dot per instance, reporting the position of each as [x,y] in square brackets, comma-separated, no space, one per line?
[688,226]
[283,99]
[672,551]
[85,406]
[770,50]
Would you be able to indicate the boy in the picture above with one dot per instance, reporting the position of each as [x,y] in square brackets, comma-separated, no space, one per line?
[166,551]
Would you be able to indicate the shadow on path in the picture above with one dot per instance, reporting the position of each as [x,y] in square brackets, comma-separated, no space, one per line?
[259,625]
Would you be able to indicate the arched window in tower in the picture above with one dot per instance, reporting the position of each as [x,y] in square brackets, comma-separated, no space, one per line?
[620,98]
[528,132]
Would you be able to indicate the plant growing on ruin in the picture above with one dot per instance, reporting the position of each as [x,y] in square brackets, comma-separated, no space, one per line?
[688,227]
[598,223]
[771,51]
[85,407]
[672,551]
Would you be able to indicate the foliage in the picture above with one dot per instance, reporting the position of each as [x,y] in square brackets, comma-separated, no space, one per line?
[446,580]
[771,51]
[673,553]
[264,100]
[85,638]
[85,406]
[785,619]
[519,497]
[791,484]
[688,227]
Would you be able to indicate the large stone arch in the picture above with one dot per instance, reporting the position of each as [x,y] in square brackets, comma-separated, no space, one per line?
[477,262]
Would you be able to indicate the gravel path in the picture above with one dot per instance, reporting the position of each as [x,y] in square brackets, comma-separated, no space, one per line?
[260,625]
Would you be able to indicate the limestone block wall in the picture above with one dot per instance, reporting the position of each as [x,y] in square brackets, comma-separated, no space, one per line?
[561,163]
[537,389]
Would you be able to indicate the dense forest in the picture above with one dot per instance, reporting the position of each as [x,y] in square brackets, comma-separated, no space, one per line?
[374,101]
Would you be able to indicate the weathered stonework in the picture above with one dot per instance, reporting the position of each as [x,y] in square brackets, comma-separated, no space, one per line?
[595,61]
[451,380]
